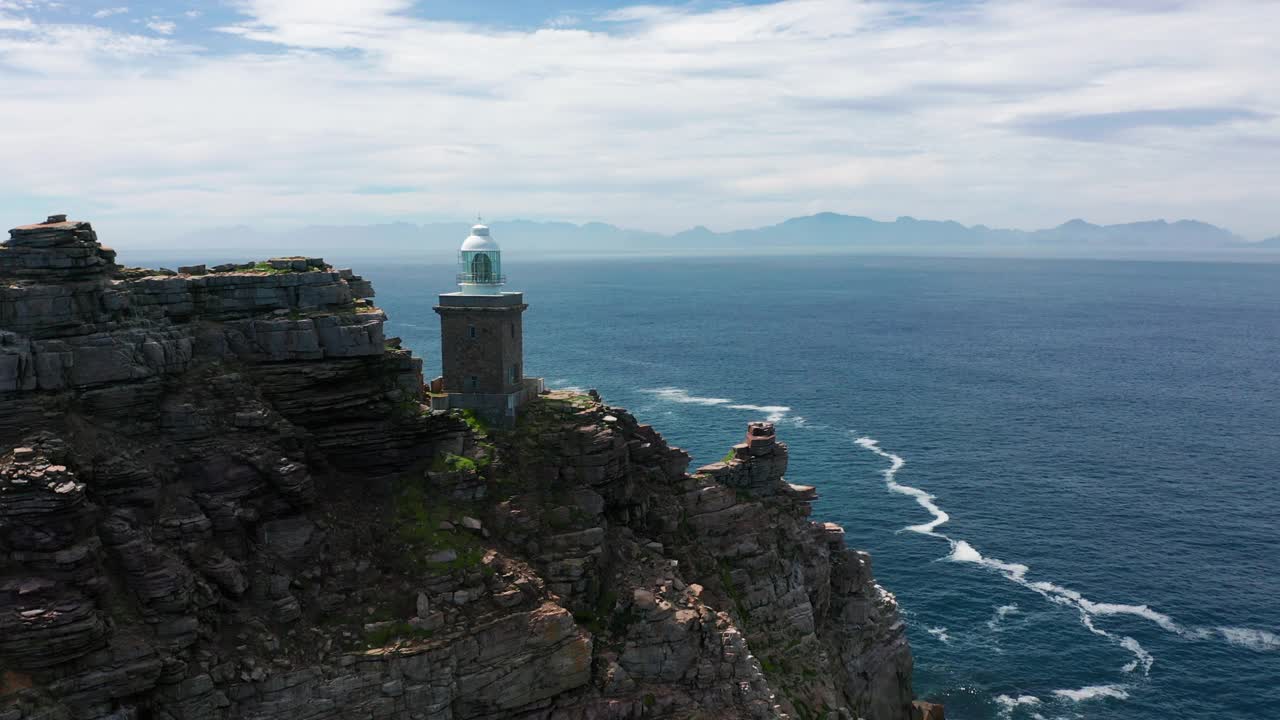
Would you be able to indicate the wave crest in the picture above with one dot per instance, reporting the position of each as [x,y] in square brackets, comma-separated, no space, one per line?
[1257,640]
[1009,703]
[924,499]
[1091,692]
[772,413]
[680,395]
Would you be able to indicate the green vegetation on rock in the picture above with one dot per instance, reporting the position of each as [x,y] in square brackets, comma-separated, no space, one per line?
[265,267]
[418,518]
[474,421]
[453,463]
[386,632]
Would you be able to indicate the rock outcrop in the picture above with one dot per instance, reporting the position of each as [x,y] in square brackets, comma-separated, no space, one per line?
[222,496]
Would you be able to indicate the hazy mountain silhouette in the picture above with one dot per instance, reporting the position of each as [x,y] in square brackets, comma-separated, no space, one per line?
[821,232]
[834,230]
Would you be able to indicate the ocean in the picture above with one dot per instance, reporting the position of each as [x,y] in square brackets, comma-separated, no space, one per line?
[1067,471]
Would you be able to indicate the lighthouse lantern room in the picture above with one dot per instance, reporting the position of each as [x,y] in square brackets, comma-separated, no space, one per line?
[480,264]
[482,337]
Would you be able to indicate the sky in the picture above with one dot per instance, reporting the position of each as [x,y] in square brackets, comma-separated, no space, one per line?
[152,118]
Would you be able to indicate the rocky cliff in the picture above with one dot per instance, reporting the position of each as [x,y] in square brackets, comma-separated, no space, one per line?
[222,496]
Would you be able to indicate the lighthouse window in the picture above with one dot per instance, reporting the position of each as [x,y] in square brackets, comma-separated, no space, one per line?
[512,328]
[475,383]
[515,373]
[471,329]
[482,269]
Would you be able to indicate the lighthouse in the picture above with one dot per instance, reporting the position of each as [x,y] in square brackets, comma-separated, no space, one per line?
[482,337]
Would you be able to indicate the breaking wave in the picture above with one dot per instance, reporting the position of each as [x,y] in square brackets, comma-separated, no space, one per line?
[962,551]
[680,395]
[1119,692]
[925,500]
[772,413]
[1258,640]
[1008,703]
[1000,614]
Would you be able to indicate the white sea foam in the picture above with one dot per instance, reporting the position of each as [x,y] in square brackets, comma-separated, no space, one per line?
[963,552]
[1091,692]
[1009,703]
[1142,611]
[1000,614]
[1259,640]
[680,395]
[940,633]
[772,413]
[1140,653]
[924,499]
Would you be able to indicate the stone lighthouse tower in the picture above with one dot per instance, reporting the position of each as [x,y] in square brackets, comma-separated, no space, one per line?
[482,337]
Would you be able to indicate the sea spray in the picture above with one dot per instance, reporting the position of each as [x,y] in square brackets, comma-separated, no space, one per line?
[772,413]
[1092,692]
[925,500]
[1009,703]
[963,552]
[1000,614]
[1257,640]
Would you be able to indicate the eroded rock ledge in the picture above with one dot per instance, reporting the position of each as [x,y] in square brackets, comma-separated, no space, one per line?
[222,496]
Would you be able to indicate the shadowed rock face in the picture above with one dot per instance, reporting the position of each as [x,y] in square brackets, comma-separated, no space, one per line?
[729,547]
[221,496]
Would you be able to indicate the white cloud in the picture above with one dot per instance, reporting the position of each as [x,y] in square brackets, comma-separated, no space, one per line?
[564,21]
[728,117]
[108,12]
[16,24]
[164,27]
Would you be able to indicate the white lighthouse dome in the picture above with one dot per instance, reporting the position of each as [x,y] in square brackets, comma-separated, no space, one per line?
[479,240]
[480,264]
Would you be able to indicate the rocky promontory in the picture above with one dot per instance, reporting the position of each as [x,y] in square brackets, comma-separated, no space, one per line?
[223,494]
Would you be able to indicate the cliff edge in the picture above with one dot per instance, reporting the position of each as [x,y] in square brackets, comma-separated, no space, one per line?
[223,495]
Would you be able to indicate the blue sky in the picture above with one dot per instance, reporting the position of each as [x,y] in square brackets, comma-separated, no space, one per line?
[147,116]
[192,19]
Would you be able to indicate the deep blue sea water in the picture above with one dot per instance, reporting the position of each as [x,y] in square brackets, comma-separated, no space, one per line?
[1102,440]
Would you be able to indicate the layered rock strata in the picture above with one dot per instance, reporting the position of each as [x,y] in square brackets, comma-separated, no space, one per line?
[222,496]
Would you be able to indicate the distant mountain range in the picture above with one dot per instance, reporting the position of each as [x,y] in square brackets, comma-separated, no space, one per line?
[824,232]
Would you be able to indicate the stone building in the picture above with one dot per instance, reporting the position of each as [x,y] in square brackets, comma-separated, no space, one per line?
[482,337]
